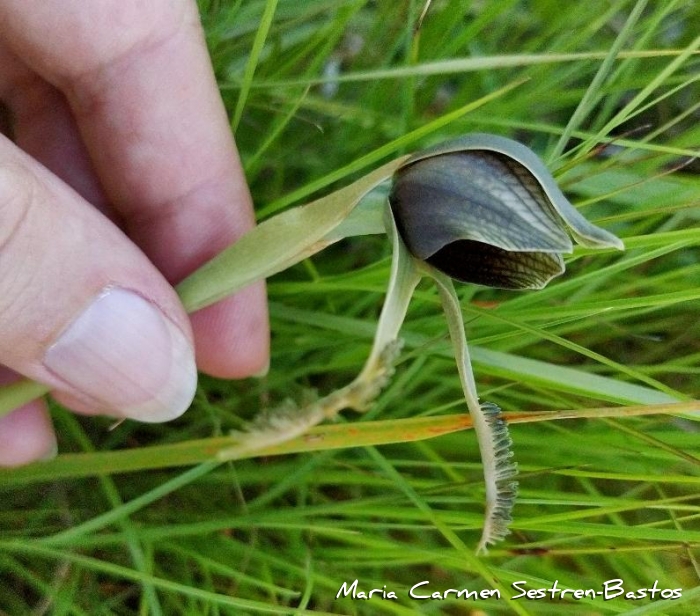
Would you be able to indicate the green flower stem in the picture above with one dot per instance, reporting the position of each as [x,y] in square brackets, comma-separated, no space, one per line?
[402,283]
[455,324]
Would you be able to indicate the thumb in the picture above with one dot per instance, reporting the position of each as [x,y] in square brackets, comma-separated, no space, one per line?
[81,308]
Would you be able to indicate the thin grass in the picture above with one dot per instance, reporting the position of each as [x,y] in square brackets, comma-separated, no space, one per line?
[140,519]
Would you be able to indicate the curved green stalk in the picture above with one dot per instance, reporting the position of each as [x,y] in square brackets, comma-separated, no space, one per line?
[491,430]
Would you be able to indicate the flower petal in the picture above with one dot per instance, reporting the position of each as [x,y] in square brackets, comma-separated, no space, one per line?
[585,233]
[474,195]
[479,263]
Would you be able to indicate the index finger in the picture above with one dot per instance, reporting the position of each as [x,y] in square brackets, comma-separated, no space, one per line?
[139,82]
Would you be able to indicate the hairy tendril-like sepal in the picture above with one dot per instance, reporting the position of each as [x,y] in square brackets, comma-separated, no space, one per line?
[290,420]
[501,490]
[491,430]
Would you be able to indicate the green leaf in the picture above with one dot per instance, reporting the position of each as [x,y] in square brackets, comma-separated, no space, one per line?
[277,243]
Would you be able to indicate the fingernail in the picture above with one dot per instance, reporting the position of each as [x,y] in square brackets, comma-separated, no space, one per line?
[123,352]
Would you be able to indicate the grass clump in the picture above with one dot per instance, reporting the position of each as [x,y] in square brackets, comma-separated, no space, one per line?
[141,520]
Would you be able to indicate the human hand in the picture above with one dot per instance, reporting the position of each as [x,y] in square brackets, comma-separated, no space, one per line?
[120,179]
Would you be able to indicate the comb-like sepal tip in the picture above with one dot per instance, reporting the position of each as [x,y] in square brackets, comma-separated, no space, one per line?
[499,506]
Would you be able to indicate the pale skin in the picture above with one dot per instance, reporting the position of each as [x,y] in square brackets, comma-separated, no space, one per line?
[119,169]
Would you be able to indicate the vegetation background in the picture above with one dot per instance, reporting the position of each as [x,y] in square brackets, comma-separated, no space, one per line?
[139,520]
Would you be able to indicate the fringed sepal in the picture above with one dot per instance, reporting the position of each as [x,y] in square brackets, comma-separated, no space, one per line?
[501,490]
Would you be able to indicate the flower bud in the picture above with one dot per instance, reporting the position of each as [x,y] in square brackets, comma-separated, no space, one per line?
[485,209]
